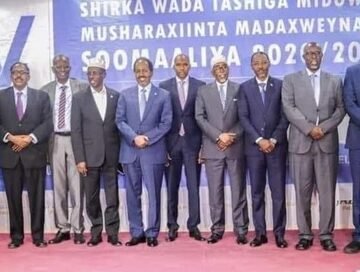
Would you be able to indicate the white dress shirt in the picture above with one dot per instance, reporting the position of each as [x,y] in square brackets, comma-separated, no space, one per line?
[100,101]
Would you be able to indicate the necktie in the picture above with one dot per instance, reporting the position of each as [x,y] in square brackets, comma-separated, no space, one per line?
[312,80]
[19,106]
[222,96]
[182,99]
[142,103]
[62,105]
[262,91]
[316,93]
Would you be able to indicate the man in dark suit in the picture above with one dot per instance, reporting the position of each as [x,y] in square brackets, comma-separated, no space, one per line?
[216,113]
[25,127]
[143,116]
[265,125]
[183,146]
[65,175]
[312,102]
[352,106]
[96,143]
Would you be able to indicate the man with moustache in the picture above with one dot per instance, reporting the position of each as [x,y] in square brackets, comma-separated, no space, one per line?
[65,175]
[222,149]
[143,116]
[183,146]
[25,127]
[265,126]
[96,142]
[312,102]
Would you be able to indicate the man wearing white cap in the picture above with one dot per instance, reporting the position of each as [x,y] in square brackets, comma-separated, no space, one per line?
[217,115]
[96,144]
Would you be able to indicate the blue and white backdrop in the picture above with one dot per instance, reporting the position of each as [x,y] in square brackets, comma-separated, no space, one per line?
[122,30]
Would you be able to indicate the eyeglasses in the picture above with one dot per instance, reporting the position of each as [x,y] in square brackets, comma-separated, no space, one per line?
[21,72]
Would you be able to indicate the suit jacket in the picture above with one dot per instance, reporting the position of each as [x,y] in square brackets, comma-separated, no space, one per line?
[155,124]
[94,141]
[301,110]
[259,120]
[184,116]
[50,88]
[352,105]
[37,119]
[213,120]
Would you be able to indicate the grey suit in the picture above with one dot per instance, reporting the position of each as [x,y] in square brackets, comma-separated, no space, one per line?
[65,175]
[313,161]
[97,142]
[213,120]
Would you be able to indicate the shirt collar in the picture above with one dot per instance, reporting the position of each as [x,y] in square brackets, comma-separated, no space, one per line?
[258,81]
[147,88]
[23,91]
[67,84]
[185,80]
[103,90]
[310,73]
[225,84]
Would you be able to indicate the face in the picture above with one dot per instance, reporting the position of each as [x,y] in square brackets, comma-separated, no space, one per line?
[96,77]
[61,68]
[20,76]
[142,73]
[182,66]
[312,56]
[221,72]
[260,65]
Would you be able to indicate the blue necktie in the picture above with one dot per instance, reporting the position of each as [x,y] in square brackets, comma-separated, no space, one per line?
[262,91]
[142,103]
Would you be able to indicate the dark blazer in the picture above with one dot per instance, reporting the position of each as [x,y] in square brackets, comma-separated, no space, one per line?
[155,124]
[93,139]
[185,116]
[37,119]
[352,105]
[259,120]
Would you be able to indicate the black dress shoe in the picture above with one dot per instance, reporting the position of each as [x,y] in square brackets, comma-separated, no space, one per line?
[214,238]
[303,244]
[196,234]
[59,237]
[328,245]
[173,234]
[94,241]
[241,239]
[114,240]
[79,238]
[40,243]
[15,244]
[152,241]
[281,242]
[352,247]
[258,241]
[135,241]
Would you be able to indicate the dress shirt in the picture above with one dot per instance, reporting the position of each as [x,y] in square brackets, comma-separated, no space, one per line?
[185,85]
[147,92]
[100,100]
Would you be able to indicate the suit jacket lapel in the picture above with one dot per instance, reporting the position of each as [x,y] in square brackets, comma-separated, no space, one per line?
[109,101]
[174,89]
[269,93]
[152,96]
[308,88]
[214,95]
[11,101]
[92,104]
[256,94]
[324,81]
[230,92]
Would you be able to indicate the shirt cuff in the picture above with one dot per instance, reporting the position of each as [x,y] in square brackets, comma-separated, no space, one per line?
[34,140]
[5,139]
[274,141]
[258,140]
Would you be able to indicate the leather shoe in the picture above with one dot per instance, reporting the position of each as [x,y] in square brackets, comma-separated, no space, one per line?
[15,244]
[94,241]
[258,241]
[241,239]
[352,247]
[59,237]
[135,241]
[79,238]
[281,242]
[328,245]
[40,243]
[304,244]
[196,234]
[214,238]
[114,240]
[152,241]
[173,234]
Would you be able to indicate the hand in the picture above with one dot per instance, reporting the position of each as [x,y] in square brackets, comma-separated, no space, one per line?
[200,159]
[82,169]
[317,133]
[141,141]
[227,138]
[20,141]
[266,146]
[221,145]
[167,164]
